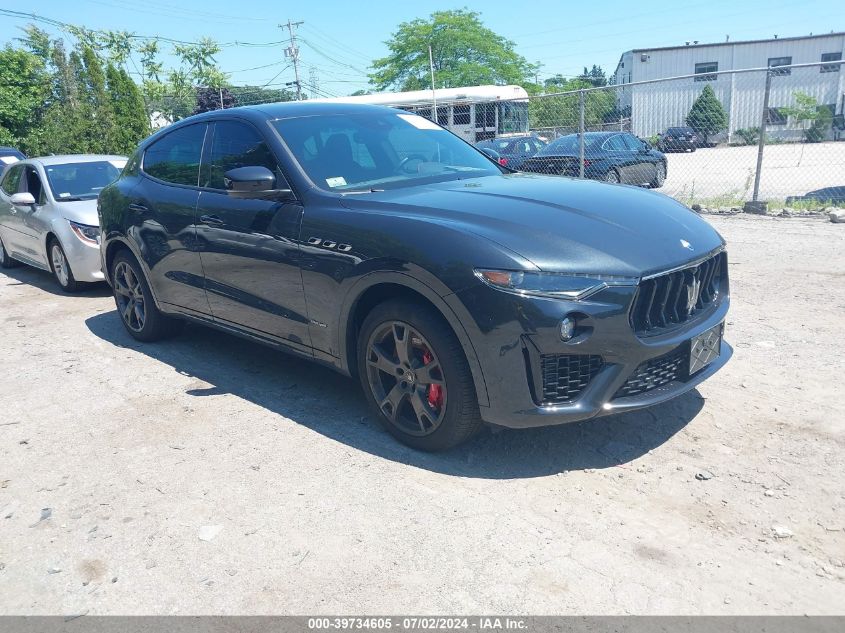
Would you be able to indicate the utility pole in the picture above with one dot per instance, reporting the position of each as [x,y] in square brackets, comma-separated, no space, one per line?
[293,52]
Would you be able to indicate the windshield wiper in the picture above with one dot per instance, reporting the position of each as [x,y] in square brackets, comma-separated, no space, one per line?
[71,199]
[357,191]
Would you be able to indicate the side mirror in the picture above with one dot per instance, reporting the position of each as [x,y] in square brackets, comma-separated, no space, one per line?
[24,199]
[248,181]
[491,153]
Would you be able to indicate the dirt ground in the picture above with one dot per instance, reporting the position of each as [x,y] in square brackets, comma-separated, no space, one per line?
[209,475]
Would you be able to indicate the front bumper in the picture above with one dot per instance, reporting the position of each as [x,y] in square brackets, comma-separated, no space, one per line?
[84,258]
[512,333]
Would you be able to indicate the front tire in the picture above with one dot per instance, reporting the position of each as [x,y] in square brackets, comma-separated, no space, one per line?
[416,378]
[61,268]
[135,304]
[612,177]
[659,176]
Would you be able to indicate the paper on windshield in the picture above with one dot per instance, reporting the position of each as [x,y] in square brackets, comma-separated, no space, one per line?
[8,160]
[419,122]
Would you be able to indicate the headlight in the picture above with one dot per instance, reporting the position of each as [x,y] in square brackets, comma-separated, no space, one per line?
[557,285]
[86,233]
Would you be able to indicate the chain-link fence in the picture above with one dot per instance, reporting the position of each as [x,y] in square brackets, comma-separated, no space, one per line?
[718,140]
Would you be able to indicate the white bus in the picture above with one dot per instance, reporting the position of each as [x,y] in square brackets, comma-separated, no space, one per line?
[475,113]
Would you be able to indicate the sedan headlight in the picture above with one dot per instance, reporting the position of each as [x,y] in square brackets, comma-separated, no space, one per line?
[85,232]
[556,285]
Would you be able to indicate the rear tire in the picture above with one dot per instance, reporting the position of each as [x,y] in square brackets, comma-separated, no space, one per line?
[415,376]
[6,260]
[61,268]
[135,304]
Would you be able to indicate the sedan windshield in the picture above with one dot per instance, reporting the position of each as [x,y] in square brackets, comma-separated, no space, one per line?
[81,181]
[383,150]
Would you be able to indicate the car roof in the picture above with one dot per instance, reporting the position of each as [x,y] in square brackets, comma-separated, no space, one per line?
[63,159]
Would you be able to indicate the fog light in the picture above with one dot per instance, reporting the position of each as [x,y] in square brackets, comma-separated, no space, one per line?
[567,328]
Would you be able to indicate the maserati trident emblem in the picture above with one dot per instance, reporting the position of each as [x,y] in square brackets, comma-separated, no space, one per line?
[692,294]
[687,245]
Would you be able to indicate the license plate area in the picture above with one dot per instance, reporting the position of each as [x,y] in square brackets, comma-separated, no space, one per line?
[704,348]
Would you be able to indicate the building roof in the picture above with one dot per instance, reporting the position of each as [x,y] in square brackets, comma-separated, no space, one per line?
[736,42]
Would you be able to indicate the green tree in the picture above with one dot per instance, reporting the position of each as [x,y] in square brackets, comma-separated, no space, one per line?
[465,53]
[595,76]
[24,87]
[806,110]
[564,110]
[707,116]
[248,95]
[132,122]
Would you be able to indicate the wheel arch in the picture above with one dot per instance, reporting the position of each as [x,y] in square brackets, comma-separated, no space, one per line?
[376,288]
[118,244]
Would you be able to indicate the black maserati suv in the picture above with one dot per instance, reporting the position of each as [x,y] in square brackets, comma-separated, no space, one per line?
[375,242]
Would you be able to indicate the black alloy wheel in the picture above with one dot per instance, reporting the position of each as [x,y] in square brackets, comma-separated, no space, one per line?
[416,377]
[406,378]
[135,303]
[129,297]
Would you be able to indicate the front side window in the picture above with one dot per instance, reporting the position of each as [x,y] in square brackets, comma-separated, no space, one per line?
[703,71]
[382,150]
[774,62]
[632,142]
[12,180]
[81,181]
[32,183]
[235,145]
[615,144]
[175,158]
[830,57]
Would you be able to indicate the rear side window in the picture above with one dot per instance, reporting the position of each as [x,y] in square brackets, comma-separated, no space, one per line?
[235,145]
[12,179]
[176,157]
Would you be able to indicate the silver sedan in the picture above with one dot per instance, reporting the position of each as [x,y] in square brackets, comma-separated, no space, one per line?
[48,215]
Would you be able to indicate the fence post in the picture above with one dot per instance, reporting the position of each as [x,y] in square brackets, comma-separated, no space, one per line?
[581,133]
[761,142]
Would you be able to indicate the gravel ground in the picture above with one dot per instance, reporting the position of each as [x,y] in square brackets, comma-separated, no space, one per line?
[209,475]
[728,172]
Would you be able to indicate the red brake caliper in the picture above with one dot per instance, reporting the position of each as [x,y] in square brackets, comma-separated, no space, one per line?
[435,392]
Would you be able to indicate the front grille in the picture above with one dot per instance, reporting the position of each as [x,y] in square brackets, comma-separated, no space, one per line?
[657,371]
[668,300]
[566,375]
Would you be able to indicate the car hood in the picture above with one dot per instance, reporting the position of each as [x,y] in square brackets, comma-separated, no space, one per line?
[560,224]
[81,211]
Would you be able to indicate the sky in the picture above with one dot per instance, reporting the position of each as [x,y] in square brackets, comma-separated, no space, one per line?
[340,38]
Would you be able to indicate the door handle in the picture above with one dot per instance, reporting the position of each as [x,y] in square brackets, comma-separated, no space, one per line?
[138,208]
[211,220]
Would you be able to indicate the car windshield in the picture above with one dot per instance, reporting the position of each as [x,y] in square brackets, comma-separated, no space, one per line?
[679,130]
[81,181]
[379,150]
[570,145]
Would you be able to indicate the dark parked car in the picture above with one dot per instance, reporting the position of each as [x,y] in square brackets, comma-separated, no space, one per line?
[678,139]
[615,157]
[8,156]
[513,150]
[379,244]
